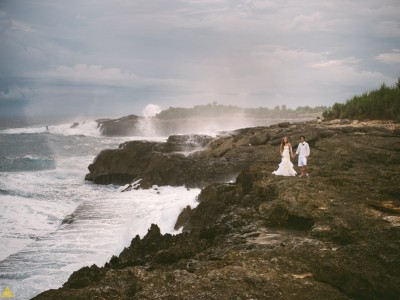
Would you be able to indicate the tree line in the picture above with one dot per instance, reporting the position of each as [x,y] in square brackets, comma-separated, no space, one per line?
[217,110]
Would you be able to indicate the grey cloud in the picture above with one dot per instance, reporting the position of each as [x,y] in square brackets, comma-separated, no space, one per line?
[187,52]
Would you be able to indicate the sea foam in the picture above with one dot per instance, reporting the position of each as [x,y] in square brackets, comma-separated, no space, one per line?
[87,128]
[52,222]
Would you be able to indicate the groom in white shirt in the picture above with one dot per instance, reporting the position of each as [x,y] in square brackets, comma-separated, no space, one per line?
[303,150]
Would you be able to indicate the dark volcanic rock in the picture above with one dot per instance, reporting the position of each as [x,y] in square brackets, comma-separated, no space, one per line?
[189,141]
[333,235]
[125,126]
[85,277]
[120,166]
[158,163]
[183,218]
[76,124]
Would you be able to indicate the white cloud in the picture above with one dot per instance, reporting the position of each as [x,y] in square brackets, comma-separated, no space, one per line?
[313,22]
[390,58]
[17,25]
[264,4]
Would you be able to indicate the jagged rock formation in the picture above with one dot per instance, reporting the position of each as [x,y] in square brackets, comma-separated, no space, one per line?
[158,163]
[334,235]
[219,159]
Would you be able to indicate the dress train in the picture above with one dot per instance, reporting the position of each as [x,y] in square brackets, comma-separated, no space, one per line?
[285,167]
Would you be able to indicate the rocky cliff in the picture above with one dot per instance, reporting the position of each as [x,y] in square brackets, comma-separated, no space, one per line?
[333,235]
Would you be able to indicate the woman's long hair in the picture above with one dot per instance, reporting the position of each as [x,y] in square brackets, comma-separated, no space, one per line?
[283,142]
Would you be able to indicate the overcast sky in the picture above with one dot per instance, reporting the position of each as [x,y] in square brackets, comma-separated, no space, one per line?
[112,58]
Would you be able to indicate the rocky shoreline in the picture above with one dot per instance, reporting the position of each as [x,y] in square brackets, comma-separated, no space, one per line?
[334,235]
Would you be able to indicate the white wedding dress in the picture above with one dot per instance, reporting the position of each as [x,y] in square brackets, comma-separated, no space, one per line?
[286,166]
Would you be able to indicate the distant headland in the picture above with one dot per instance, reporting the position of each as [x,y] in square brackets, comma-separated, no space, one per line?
[379,104]
[208,118]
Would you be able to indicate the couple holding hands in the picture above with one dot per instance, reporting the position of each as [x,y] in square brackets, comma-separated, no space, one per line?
[286,166]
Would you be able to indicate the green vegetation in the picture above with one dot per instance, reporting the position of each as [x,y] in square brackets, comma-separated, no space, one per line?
[218,110]
[380,104]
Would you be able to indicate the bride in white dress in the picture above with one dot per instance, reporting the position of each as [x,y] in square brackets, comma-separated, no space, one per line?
[285,167]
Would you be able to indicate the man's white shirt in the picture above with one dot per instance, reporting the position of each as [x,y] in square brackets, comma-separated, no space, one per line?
[303,149]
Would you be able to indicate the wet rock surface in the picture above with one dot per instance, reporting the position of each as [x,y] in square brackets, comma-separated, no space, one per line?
[333,235]
[124,126]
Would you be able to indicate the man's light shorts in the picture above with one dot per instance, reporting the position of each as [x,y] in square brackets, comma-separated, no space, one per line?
[302,161]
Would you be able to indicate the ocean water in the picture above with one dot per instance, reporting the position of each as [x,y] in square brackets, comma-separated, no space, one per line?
[42,183]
